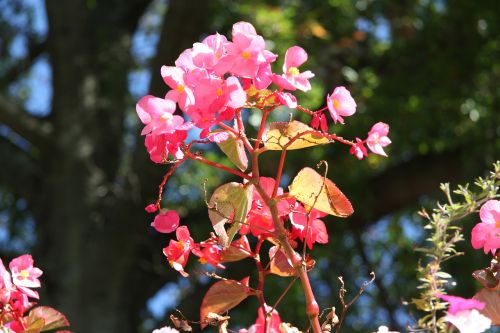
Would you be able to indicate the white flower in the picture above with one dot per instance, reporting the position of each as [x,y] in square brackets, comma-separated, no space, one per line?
[166,329]
[469,321]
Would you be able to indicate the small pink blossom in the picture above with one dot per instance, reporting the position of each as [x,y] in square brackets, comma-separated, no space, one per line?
[377,138]
[160,146]
[287,99]
[359,149]
[319,121]
[23,272]
[158,115]
[181,92]
[457,304]
[177,252]
[260,324]
[166,222]
[486,234]
[5,284]
[292,78]
[340,104]
[151,208]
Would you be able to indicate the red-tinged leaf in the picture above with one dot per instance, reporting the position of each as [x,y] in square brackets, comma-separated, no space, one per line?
[181,324]
[238,250]
[280,265]
[53,319]
[222,296]
[307,187]
[491,299]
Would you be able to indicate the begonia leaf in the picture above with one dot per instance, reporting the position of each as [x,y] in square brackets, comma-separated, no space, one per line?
[491,299]
[222,296]
[307,187]
[229,203]
[35,325]
[235,151]
[238,250]
[52,318]
[278,135]
[279,263]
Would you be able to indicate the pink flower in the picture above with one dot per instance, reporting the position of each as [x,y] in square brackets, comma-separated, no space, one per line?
[181,92]
[340,104]
[209,252]
[5,284]
[246,53]
[463,314]
[292,78]
[287,99]
[160,146]
[458,304]
[158,115]
[166,222]
[377,138]
[177,252]
[316,231]
[359,149]
[486,234]
[260,324]
[23,272]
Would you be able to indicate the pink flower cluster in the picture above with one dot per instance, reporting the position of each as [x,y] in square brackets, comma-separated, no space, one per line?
[16,290]
[486,234]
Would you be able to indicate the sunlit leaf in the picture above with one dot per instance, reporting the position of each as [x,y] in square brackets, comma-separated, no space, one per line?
[221,297]
[52,318]
[229,203]
[238,250]
[235,151]
[307,187]
[277,135]
[280,265]
[491,298]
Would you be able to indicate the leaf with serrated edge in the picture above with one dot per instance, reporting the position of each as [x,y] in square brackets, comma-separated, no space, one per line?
[277,135]
[230,203]
[307,185]
[222,296]
[235,151]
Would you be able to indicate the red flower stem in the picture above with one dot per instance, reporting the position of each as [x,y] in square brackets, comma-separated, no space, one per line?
[217,165]
[312,308]
[165,179]
[279,172]
[241,129]
[310,112]
[261,128]
[262,278]
[240,134]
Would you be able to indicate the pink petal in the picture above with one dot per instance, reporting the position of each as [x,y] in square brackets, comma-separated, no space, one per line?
[490,212]
[294,57]
[166,222]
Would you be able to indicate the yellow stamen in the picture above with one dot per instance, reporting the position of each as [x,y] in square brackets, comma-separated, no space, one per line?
[203,261]
[246,55]
[180,245]
[24,274]
[180,88]
[219,92]
[293,71]
[497,224]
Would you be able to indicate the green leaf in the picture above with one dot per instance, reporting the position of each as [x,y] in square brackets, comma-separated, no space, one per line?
[235,151]
[221,297]
[230,203]
[278,135]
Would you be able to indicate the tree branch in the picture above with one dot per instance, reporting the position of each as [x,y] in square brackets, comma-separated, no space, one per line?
[32,129]
[35,49]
